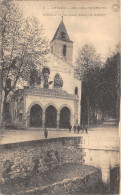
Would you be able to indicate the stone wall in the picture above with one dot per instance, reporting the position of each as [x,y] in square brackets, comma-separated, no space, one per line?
[58,49]
[88,184]
[21,159]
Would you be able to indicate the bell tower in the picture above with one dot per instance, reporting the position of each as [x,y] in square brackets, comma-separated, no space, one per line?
[61,45]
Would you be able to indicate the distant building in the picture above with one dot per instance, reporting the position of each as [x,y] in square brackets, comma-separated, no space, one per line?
[56,102]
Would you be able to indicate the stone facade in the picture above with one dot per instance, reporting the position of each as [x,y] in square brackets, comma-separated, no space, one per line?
[57,48]
[56,101]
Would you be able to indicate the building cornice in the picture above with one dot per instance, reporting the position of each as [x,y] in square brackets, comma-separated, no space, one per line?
[50,93]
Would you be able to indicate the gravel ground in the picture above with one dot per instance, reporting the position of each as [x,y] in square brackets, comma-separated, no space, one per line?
[107,129]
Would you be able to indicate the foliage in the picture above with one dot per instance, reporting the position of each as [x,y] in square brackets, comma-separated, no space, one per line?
[108,87]
[100,84]
[87,59]
[35,77]
[23,46]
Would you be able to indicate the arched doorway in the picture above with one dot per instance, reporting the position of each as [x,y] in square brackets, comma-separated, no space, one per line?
[51,117]
[36,116]
[64,118]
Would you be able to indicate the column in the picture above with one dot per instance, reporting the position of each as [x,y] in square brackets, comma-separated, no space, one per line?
[24,112]
[43,119]
[76,111]
[58,119]
[27,119]
[106,177]
[72,119]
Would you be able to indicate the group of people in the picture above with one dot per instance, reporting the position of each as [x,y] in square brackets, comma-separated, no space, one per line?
[79,128]
[76,129]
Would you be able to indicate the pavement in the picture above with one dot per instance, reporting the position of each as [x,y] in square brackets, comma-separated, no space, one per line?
[103,132]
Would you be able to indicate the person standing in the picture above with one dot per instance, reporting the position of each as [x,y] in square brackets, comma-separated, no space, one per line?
[85,127]
[74,128]
[70,127]
[78,128]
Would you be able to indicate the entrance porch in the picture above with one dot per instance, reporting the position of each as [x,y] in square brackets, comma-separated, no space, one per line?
[51,117]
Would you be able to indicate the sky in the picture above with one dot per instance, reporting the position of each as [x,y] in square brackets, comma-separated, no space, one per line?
[86,21]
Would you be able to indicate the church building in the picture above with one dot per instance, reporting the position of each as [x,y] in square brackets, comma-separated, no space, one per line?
[55,103]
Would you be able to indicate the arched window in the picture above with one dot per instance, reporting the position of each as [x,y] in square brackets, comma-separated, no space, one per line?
[76,90]
[58,82]
[45,70]
[64,50]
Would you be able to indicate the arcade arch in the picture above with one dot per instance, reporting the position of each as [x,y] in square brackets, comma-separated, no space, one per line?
[51,117]
[65,117]
[36,116]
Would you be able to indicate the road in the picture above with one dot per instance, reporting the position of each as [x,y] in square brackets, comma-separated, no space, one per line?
[107,130]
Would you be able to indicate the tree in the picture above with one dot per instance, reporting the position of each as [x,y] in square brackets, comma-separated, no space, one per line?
[35,77]
[23,47]
[87,69]
[100,88]
[109,89]
[86,60]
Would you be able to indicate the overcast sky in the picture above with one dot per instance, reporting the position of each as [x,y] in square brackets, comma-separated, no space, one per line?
[102,30]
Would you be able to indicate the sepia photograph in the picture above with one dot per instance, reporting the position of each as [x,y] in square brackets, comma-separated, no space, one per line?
[60,97]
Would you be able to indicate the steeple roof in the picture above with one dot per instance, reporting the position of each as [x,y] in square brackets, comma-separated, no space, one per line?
[61,33]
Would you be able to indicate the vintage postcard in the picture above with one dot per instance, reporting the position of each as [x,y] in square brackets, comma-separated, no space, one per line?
[60,97]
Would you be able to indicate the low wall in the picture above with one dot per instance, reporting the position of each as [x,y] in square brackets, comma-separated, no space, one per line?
[101,142]
[71,186]
[22,159]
